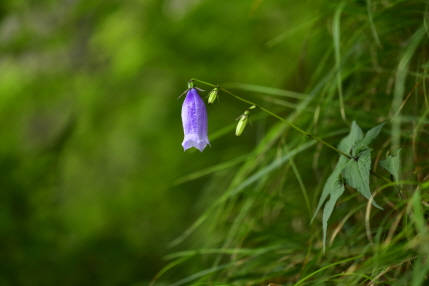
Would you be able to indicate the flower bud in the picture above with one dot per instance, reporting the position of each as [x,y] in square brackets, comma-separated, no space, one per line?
[190,84]
[213,95]
[243,121]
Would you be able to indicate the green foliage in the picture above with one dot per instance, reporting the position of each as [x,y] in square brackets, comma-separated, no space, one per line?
[335,188]
[355,171]
[392,164]
[347,145]
[364,60]
[96,188]
[369,136]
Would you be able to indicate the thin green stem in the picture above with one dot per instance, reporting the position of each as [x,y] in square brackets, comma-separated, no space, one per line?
[380,177]
[278,117]
[194,79]
[290,124]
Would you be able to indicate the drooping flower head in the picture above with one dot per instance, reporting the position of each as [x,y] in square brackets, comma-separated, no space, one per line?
[194,118]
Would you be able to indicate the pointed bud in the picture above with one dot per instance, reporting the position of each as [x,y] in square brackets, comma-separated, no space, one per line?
[243,121]
[212,95]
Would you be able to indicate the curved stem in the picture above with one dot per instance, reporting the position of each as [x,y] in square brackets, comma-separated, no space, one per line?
[290,124]
[278,117]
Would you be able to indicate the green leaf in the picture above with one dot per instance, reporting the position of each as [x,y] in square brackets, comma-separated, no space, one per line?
[330,183]
[356,173]
[355,140]
[336,190]
[369,136]
[350,140]
[392,164]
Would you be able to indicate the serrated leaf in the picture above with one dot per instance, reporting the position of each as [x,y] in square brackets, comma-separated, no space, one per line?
[392,164]
[369,136]
[350,140]
[356,173]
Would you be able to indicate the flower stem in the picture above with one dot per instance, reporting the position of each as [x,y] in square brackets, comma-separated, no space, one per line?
[290,124]
[278,117]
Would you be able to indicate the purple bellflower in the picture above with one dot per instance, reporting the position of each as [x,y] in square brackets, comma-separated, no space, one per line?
[194,118]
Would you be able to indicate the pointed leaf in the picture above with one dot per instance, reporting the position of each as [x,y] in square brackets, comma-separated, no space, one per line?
[335,188]
[356,173]
[369,136]
[336,191]
[330,185]
[350,140]
[392,164]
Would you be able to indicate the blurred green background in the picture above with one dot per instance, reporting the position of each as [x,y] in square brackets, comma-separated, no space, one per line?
[94,184]
[91,130]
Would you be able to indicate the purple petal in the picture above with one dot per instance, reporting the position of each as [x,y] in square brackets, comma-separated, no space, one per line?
[195,124]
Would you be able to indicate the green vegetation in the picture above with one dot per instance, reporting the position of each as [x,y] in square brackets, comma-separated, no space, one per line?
[96,188]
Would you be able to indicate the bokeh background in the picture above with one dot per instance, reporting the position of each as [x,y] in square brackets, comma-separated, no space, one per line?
[95,186]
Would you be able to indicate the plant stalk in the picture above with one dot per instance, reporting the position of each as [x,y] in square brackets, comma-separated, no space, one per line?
[278,117]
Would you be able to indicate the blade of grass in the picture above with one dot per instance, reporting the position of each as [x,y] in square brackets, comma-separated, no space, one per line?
[326,267]
[301,183]
[401,77]
[371,22]
[336,31]
[265,90]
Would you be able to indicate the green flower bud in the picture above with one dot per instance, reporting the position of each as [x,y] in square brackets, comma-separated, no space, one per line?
[212,95]
[243,121]
[190,84]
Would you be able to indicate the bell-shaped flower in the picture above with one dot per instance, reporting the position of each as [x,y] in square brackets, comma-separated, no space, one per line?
[195,124]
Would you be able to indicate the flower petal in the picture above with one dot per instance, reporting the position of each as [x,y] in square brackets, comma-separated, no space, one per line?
[195,124]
